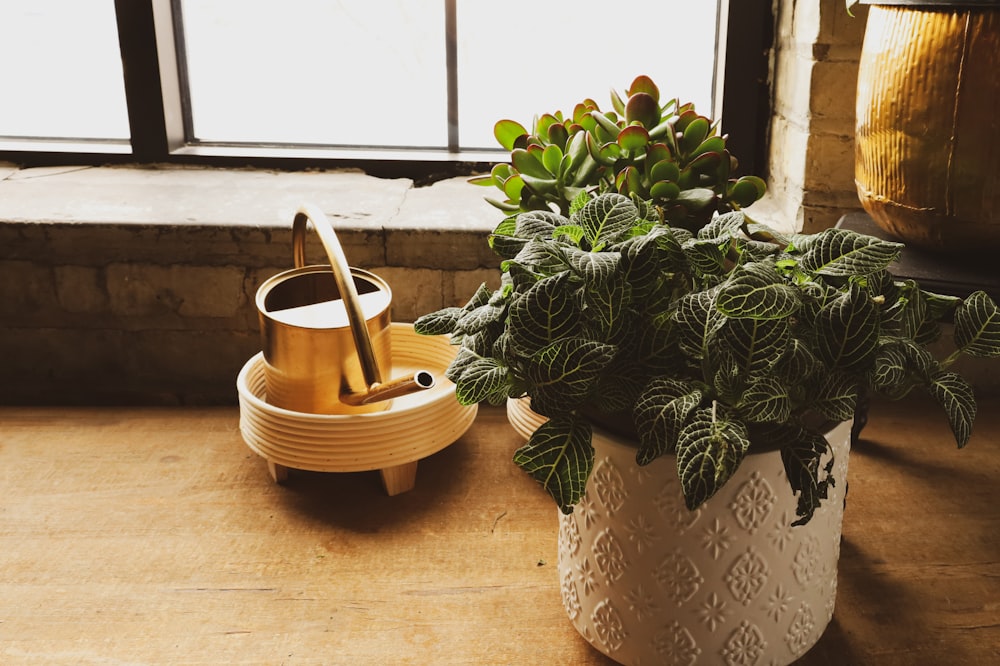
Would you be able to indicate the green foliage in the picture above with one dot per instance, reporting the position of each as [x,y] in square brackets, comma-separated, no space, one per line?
[666,154]
[707,341]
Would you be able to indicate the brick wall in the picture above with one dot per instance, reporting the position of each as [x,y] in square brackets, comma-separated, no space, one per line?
[811,161]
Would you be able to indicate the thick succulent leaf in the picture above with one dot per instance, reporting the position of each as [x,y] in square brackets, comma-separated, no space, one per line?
[766,400]
[836,397]
[803,453]
[955,395]
[695,198]
[697,321]
[537,224]
[660,413]
[607,219]
[756,344]
[507,132]
[709,450]
[756,291]
[847,330]
[440,322]
[482,380]
[559,455]
[565,372]
[840,252]
[977,326]
[529,164]
[550,309]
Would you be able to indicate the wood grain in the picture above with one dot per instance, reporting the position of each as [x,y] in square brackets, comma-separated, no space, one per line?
[154,536]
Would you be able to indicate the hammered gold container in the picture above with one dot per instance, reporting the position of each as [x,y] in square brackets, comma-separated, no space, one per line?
[927,161]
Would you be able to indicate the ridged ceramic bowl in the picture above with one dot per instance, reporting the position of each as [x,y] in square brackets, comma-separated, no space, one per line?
[414,427]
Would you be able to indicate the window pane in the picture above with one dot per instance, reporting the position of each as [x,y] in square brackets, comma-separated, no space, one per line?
[62,72]
[368,72]
[526,57]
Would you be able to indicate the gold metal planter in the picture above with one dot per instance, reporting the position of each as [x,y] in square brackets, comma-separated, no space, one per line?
[928,123]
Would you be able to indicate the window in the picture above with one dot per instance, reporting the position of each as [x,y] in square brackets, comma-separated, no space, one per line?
[62,84]
[357,81]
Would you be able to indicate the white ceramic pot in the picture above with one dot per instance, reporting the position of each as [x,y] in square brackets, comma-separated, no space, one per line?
[646,581]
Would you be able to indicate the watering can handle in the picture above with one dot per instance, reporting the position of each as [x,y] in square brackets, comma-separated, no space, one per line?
[345,283]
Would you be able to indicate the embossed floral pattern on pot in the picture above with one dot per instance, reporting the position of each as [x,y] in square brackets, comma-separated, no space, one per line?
[648,582]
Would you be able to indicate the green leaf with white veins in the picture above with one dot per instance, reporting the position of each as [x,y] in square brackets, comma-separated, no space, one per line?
[709,449]
[660,414]
[565,372]
[977,326]
[543,256]
[839,252]
[607,219]
[847,330]
[837,397]
[537,224]
[547,311]
[596,268]
[802,453]
[756,291]
[698,321]
[438,323]
[756,344]
[482,379]
[766,400]
[559,455]
[955,394]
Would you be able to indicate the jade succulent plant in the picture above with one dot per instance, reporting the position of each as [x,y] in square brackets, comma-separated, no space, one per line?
[706,343]
[666,154]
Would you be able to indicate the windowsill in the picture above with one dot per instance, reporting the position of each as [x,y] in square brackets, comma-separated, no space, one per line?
[380,221]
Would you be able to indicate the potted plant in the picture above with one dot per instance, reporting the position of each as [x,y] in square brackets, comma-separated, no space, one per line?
[666,154]
[684,380]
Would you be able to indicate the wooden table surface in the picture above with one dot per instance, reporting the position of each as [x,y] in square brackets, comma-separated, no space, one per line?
[154,536]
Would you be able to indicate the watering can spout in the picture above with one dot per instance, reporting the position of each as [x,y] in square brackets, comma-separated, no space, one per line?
[376,390]
[420,380]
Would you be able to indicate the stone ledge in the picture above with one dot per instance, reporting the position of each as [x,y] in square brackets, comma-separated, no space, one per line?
[136,285]
[198,215]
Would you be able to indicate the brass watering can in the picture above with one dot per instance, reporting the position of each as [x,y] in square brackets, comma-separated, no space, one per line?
[325,332]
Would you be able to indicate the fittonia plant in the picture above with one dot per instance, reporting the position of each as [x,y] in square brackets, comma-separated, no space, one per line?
[707,342]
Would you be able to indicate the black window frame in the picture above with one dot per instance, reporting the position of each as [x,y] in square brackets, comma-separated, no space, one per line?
[160,127]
